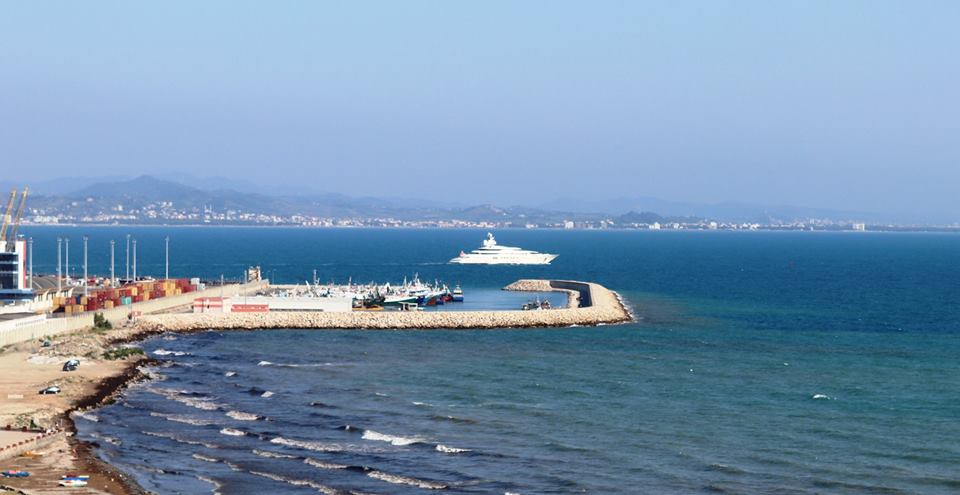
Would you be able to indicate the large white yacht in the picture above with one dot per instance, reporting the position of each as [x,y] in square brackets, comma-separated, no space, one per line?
[492,253]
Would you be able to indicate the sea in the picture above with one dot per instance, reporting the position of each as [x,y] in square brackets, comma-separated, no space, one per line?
[758,362]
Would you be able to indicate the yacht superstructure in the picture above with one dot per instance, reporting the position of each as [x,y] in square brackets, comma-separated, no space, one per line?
[492,253]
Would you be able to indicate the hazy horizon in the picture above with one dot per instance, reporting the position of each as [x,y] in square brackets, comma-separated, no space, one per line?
[845,106]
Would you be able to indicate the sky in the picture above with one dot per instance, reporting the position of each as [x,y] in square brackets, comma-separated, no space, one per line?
[836,104]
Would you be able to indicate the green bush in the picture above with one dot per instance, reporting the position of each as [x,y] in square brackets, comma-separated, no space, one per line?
[100,322]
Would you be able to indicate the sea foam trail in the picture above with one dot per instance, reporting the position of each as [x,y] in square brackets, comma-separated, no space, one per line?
[269,454]
[451,450]
[406,480]
[177,418]
[324,465]
[232,432]
[302,444]
[296,482]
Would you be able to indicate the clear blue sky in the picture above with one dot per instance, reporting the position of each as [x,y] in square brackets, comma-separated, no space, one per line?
[842,104]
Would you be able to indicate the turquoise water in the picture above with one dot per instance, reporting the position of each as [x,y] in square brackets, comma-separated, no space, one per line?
[759,363]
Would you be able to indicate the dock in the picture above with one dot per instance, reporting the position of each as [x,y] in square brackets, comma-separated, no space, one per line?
[589,304]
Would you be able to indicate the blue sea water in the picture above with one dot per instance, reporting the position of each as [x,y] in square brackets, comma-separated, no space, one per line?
[759,363]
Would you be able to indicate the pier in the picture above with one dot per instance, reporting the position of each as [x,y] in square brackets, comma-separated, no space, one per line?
[588,304]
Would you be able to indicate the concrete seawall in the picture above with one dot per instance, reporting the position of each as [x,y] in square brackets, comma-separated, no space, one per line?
[117,316]
[593,305]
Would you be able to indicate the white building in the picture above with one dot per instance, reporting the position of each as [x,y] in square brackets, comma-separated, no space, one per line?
[13,272]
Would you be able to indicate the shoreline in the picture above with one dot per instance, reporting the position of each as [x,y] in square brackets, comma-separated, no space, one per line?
[70,454]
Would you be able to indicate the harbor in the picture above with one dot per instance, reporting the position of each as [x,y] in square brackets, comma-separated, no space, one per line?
[588,304]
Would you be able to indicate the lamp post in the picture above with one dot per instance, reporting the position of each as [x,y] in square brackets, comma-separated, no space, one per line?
[128,256]
[30,259]
[134,260]
[85,278]
[112,279]
[67,261]
[166,272]
[59,264]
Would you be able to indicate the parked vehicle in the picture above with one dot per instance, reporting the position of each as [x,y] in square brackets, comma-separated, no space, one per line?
[50,390]
[14,474]
[71,365]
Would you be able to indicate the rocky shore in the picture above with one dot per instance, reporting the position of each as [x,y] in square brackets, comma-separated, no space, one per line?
[603,308]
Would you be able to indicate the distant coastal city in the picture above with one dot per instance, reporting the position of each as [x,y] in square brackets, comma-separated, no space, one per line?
[150,201]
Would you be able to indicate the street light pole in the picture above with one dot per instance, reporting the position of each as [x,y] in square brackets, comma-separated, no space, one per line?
[166,273]
[134,260]
[112,279]
[30,259]
[59,264]
[85,278]
[67,262]
[128,256]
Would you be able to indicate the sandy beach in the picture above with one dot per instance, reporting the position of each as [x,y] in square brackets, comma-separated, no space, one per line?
[28,367]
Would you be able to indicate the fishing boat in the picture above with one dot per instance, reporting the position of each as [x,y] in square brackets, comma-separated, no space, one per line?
[457,294]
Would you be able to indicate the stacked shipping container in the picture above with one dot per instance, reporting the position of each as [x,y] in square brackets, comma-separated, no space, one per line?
[108,298]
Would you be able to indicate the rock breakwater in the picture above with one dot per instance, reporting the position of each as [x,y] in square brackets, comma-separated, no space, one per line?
[593,305]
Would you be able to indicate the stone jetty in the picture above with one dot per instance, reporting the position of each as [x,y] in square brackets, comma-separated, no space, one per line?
[588,304]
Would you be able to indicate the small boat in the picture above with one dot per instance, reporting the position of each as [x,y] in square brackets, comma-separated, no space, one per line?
[73,480]
[457,294]
[14,473]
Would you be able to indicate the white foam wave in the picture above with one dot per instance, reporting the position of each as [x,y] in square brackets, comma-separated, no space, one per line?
[273,455]
[204,458]
[392,439]
[302,444]
[295,365]
[242,416]
[216,484]
[450,450]
[379,394]
[406,480]
[177,418]
[164,352]
[231,432]
[324,465]
[170,436]
[422,404]
[86,416]
[203,403]
[312,484]
[821,397]
[267,394]
[230,373]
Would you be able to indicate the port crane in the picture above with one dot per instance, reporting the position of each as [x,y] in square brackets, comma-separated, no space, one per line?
[11,223]
[6,215]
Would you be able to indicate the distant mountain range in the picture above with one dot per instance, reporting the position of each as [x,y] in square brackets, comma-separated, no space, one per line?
[89,196]
[726,211]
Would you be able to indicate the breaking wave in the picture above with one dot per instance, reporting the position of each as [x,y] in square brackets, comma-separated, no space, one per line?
[451,450]
[406,480]
[177,418]
[242,416]
[296,482]
[302,444]
[164,352]
[232,432]
[391,439]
